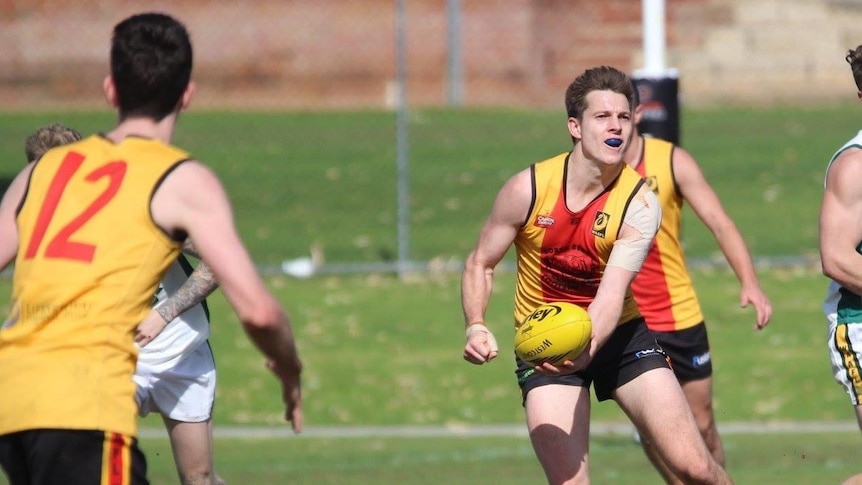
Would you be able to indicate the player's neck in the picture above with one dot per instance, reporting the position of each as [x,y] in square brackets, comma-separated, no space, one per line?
[634,151]
[585,180]
[144,128]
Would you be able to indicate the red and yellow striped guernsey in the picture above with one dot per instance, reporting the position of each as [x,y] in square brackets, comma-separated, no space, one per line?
[89,261]
[562,254]
[663,288]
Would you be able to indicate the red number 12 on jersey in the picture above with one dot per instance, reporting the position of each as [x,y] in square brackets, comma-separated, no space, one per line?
[61,246]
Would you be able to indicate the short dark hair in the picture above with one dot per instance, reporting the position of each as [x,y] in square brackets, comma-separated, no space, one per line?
[151,65]
[603,78]
[854,58]
[47,137]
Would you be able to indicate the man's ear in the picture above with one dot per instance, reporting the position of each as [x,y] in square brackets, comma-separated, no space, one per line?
[110,92]
[575,128]
[188,94]
[638,114]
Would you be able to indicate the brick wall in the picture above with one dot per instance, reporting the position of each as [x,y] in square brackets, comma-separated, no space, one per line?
[341,53]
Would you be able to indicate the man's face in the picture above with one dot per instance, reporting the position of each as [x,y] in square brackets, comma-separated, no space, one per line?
[606,127]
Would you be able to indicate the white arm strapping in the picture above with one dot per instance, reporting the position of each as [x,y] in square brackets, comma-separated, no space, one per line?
[489,337]
[643,215]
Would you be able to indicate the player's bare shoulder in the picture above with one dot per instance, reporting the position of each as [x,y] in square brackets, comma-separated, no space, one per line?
[515,197]
[847,165]
[191,189]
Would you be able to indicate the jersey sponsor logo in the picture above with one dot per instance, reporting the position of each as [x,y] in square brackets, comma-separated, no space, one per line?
[702,359]
[652,183]
[544,221]
[600,224]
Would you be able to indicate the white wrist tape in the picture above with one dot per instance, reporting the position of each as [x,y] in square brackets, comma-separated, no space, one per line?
[489,337]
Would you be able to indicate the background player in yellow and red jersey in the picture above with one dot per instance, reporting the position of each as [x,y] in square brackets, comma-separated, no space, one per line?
[663,289]
[582,223]
[92,227]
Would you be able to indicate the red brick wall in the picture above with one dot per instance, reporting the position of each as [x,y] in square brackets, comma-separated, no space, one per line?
[341,53]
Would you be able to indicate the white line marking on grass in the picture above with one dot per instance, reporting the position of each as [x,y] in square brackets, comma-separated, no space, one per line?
[596,429]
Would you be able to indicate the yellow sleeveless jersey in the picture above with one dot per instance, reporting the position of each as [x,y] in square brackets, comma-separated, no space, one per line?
[89,261]
[562,254]
[663,288]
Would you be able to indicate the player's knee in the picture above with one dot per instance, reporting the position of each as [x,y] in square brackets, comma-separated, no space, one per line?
[700,470]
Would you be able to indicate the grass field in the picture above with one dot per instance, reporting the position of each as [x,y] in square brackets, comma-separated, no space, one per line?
[380,350]
[299,179]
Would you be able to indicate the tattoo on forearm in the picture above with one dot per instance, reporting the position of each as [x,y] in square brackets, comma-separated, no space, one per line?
[201,283]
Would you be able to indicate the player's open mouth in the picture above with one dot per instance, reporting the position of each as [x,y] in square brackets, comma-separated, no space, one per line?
[614,142]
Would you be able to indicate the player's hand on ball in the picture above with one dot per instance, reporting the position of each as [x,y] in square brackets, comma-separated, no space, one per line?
[291,393]
[567,367]
[150,328]
[481,345]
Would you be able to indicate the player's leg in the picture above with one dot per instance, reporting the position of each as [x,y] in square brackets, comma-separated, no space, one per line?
[656,405]
[191,444]
[659,464]
[558,420]
[698,393]
[184,395]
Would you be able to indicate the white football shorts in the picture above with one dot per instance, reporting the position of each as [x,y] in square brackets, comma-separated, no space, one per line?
[845,351]
[184,393]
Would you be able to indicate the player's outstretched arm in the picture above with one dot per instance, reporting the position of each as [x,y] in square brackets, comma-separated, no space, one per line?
[497,235]
[708,208]
[199,285]
[205,215]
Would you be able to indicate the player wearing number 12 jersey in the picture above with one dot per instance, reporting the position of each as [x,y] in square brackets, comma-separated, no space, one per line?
[81,288]
[92,227]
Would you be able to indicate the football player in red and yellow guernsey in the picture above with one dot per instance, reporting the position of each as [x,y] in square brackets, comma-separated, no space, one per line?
[582,223]
[93,226]
[663,289]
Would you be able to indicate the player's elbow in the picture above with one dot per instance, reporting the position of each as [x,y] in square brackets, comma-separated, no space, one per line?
[833,270]
[262,317]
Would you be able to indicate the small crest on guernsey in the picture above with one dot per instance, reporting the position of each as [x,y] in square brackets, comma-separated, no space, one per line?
[600,224]
[652,183]
[544,221]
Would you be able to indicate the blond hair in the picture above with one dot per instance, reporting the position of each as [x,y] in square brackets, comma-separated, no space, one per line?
[48,137]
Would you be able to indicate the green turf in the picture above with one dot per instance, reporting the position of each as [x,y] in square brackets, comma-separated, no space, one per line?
[299,179]
[824,458]
[386,351]
[770,459]
[383,351]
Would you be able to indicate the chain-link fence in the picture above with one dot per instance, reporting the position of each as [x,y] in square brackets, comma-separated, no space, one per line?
[301,54]
[344,54]
[341,53]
